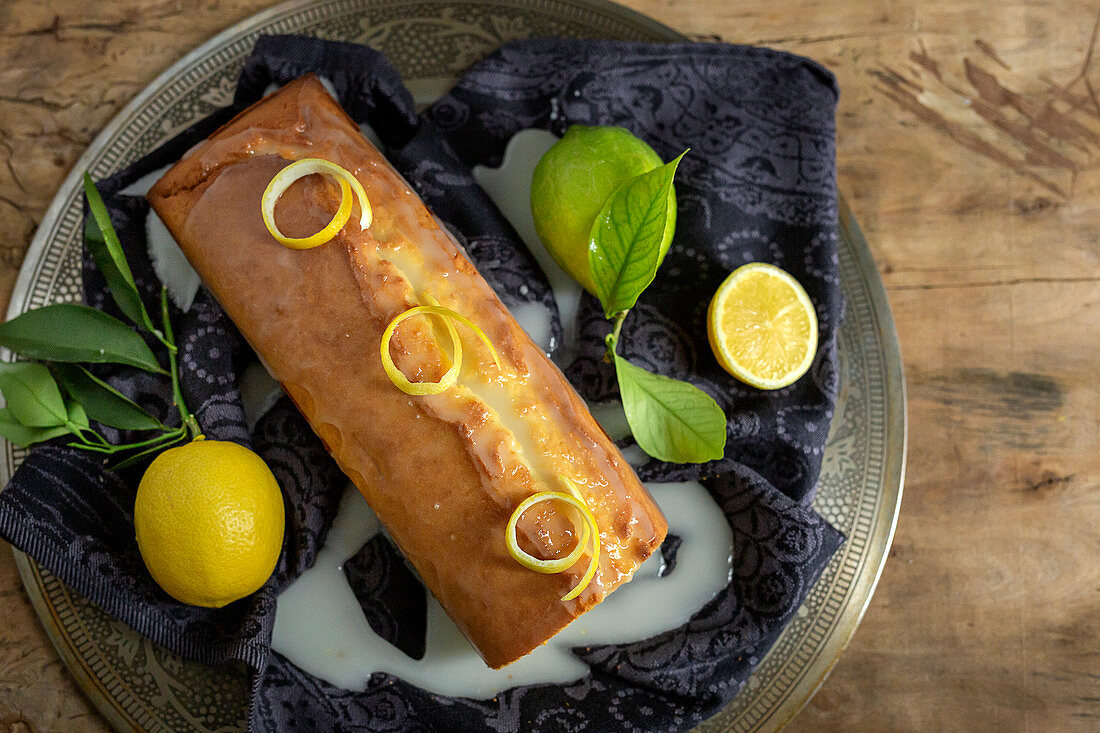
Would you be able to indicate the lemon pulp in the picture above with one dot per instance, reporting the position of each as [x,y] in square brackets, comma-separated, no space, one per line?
[762,326]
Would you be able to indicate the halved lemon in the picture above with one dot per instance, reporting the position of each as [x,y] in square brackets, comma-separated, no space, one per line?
[762,326]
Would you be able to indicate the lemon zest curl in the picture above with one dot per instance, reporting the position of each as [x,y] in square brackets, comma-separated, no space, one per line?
[306,167]
[589,531]
[451,375]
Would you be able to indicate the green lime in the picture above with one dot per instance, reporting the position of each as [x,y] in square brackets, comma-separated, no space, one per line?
[572,182]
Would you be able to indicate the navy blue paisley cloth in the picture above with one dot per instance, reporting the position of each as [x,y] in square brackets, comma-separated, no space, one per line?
[758,185]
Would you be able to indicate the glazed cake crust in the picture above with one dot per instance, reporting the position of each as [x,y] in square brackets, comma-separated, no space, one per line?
[443,472]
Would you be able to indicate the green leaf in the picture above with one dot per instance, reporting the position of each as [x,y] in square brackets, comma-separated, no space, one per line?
[628,238]
[102,401]
[21,435]
[77,415]
[102,241]
[31,395]
[68,332]
[672,420]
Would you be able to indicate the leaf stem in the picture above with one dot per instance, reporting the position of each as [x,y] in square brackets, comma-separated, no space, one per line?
[110,449]
[79,431]
[138,456]
[612,339]
[163,437]
[166,336]
[186,418]
[85,445]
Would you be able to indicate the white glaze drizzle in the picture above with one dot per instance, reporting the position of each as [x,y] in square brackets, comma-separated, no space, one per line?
[509,186]
[320,627]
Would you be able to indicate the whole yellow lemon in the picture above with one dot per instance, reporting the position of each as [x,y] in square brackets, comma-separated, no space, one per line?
[209,522]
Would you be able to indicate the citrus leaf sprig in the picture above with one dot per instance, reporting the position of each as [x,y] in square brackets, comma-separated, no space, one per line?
[54,396]
[625,241]
[671,420]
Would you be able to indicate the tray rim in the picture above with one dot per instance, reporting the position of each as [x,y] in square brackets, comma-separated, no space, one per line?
[895,408]
[893,473]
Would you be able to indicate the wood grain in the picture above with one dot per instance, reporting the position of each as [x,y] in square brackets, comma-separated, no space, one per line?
[969,135]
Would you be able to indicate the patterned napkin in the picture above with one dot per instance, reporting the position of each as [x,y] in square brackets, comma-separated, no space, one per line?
[759,185]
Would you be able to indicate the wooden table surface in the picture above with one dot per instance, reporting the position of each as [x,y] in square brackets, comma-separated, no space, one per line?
[969,134]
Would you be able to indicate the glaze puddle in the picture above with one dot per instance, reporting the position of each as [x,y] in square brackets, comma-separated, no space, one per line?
[320,627]
[509,186]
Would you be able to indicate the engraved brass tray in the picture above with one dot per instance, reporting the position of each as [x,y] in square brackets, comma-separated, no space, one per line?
[141,687]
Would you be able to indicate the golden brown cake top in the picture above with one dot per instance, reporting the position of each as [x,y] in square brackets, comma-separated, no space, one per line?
[443,472]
